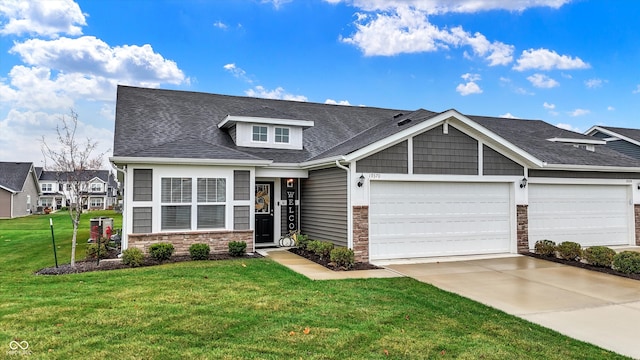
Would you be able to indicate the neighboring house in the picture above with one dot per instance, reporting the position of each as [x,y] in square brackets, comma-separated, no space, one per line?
[19,189]
[626,141]
[387,183]
[99,186]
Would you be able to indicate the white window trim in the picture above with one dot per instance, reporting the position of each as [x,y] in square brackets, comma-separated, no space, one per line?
[224,203]
[275,137]
[260,127]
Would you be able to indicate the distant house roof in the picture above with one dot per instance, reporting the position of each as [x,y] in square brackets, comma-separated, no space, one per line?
[63,176]
[155,123]
[13,175]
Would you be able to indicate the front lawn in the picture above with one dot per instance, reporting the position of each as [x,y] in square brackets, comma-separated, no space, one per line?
[239,309]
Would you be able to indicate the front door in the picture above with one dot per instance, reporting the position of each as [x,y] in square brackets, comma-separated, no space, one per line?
[264,212]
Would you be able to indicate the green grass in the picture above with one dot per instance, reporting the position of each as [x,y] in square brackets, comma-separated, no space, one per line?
[237,309]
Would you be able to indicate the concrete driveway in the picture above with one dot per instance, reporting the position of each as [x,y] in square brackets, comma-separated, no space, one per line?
[597,308]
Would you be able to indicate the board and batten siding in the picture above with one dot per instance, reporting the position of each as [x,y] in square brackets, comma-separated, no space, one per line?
[323,206]
[494,163]
[393,160]
[435,152]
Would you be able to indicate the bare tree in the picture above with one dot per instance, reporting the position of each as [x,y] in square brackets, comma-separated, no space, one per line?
[74,163]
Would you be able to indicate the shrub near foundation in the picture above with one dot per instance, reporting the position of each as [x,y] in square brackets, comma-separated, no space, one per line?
[237,248]
[342,257]
[627,262]
[133,257]
[199,251]
[161,251]
[599,256]
[569,250]
[545,248]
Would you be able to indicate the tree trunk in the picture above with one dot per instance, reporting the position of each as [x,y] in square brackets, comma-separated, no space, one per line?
[76,223]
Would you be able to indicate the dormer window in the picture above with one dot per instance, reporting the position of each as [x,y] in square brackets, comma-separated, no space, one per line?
[282,135]
[260,133]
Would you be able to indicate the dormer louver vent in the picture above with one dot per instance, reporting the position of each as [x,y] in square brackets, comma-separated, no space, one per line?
[397,115]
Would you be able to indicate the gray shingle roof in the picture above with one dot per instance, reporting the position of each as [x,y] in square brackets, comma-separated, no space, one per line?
[104,175]
[13,175]
[180,124]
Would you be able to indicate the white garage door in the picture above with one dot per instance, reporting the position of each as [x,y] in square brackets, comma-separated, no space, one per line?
[420,219]
[586,214]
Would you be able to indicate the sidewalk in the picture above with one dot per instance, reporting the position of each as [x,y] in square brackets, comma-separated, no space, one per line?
[315,271]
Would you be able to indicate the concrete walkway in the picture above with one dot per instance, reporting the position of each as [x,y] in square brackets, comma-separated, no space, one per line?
[318,272]
[593,307]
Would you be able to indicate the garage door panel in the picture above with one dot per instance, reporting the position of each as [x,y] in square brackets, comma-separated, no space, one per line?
[438,219]
[586,214]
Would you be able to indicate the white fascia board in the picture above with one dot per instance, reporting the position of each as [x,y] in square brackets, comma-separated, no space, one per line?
[321,162]
[7,189]
[578,141]
[442,117]
[229,120]
[591,168]
[187,161]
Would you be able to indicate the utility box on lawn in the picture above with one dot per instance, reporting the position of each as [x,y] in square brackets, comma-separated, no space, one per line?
[101,227]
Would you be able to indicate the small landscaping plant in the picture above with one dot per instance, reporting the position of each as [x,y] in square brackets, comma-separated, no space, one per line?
[237,248]
[199,251]
[133,257]
[323,249]
[599,256]
[342,257]
[92,251]
[545,247]
[302,241]
[569,250]
[161,251]
[627,262]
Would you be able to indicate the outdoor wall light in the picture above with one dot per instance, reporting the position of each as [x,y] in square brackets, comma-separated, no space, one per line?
[523,183]
[361,181]
[289,183]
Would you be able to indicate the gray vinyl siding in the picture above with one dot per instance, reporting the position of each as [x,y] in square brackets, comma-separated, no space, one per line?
[241,182]
[393,160]
[232,133]
[454,153]
[5,204]
[241,217]
[142,220]
[323,206]
[581,174]
[624,147]
[29,190]
[495,163]
[142,184]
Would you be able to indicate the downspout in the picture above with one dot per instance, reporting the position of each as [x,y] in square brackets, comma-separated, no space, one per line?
[124,239]
[349,209]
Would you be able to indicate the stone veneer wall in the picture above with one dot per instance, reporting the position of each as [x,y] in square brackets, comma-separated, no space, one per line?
[636,211]
[218,241]
[361,233]
[522,231]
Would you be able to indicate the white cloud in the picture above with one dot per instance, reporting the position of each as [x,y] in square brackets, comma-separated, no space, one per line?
[523,91]
[276,3]
[447,6]
[91,56]
[544,59]
[334,102]
[568,127]
[637,90]
[237,72]
[41,17]
[278,93]
[468,89]
[542,81]
[407,30]
[508,116]
[594,83]
[470,77]
[611,108]
[579,112]
[220,25]
[549,106]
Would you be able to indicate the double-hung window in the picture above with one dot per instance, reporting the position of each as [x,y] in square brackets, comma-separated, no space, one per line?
[259,133]
[96,187]
[176,203]
[212,195]
[47,187]
[282,135]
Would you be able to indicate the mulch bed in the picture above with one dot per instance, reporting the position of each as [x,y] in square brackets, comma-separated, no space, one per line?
[105,264]
[583,265]
[328,264]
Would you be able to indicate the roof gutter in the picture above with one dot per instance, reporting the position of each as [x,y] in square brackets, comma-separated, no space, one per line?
[591,168]
[187,161]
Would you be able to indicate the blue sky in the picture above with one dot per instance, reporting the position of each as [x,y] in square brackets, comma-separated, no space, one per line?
[572,63]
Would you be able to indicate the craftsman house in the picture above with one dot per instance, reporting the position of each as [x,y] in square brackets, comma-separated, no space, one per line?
[387,183]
